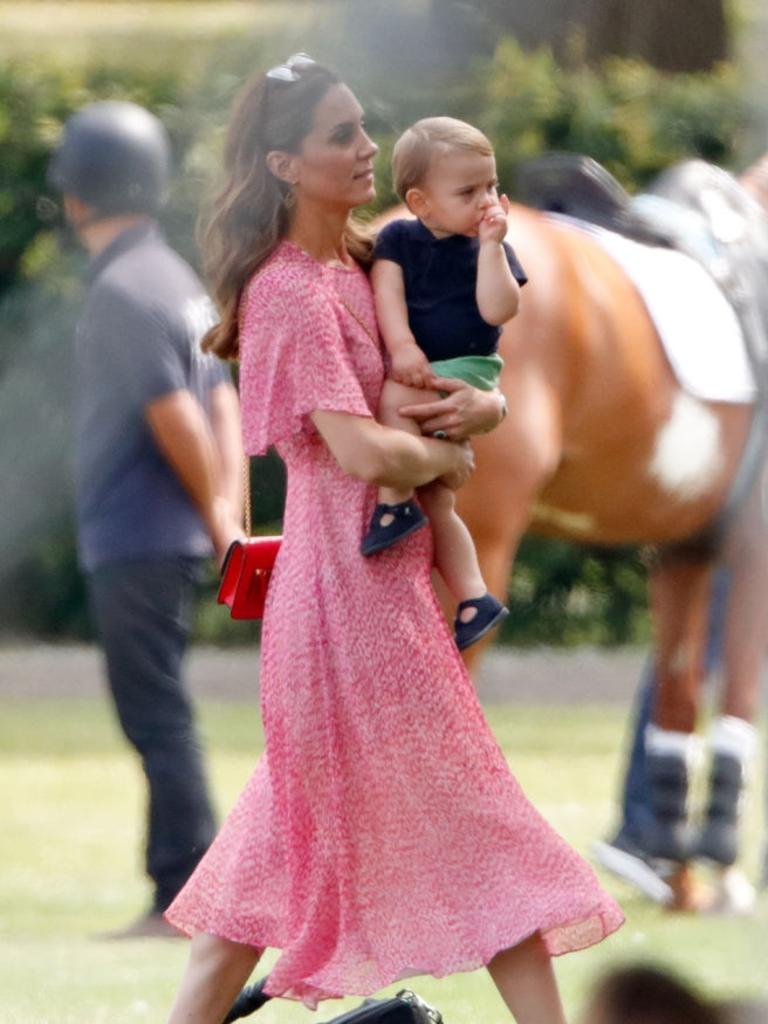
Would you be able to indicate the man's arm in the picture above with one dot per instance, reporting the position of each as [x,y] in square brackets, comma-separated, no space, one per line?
[224,410]
[182,434]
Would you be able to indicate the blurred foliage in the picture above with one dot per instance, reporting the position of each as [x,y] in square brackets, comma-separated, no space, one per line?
[631,117]
[635,120]
[563,594]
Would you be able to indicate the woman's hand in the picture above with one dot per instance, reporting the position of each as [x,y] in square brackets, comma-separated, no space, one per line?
[465,411]
[466,464]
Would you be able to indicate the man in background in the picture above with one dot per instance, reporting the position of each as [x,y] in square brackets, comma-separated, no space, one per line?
[158,463]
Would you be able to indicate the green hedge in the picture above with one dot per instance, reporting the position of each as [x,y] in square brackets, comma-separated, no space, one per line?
[635,120]
[631,117]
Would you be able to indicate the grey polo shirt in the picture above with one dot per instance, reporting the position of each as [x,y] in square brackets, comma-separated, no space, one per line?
[138,339]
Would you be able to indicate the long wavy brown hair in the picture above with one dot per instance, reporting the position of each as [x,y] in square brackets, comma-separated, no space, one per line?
[249,216]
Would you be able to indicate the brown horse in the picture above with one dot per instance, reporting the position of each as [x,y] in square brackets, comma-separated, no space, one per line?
[602,446]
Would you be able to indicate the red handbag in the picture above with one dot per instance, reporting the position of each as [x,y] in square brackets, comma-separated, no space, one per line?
[245,575]
[247,567]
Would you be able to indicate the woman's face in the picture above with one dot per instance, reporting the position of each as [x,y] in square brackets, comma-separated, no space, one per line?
[334,167]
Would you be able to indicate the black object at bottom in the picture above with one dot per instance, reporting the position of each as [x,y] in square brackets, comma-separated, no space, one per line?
[404,1008]
[251,999]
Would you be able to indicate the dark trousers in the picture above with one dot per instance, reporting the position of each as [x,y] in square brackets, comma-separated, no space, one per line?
[142,612]
[635,804]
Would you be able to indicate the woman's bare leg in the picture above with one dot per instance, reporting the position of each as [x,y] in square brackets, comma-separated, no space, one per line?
[216,971]
[526,981]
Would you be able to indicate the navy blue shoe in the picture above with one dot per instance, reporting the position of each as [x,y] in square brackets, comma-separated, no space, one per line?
[407,517]
[490,613]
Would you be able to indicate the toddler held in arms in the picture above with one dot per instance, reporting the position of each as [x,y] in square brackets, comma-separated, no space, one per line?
[443,284]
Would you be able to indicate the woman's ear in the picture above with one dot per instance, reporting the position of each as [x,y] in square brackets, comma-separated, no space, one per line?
[283,166]
[416,202]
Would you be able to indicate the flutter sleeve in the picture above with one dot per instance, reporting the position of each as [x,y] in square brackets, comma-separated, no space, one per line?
[294,360]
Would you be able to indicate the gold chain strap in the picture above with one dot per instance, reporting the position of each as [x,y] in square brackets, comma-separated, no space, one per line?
[359,319]
[247,515]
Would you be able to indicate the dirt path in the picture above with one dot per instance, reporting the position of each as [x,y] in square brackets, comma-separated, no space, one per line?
[541,676]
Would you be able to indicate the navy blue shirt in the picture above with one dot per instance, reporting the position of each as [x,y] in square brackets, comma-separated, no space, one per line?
[138,339]
[440,276]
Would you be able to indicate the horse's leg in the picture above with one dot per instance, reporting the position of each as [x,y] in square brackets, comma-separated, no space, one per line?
[680,592]
[746,623]
[732,738]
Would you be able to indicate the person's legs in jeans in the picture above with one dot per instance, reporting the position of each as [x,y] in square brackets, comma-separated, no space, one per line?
[634,803]
[142,612]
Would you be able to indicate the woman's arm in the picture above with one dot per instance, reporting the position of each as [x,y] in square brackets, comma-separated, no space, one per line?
[464,412]
[408,362]
[225,424]
[391,458]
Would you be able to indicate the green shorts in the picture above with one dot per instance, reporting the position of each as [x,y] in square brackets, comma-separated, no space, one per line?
[481,372]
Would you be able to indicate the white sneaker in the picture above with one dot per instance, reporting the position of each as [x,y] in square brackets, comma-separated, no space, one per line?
[732,894]
[631,865]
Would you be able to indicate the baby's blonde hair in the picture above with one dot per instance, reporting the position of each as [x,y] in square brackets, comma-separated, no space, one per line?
[430,137]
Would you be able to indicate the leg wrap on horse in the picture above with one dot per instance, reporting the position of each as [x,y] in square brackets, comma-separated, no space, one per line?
[719,836]
[667,835]
[733,742]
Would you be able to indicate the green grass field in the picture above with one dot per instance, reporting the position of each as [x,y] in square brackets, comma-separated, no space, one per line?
[70,866]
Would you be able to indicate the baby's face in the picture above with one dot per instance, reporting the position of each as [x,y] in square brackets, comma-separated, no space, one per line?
[458,190]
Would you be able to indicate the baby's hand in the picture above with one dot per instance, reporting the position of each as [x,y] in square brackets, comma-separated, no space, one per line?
[493,226]
[410,366]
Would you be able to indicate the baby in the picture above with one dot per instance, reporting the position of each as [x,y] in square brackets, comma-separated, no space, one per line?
[443,283]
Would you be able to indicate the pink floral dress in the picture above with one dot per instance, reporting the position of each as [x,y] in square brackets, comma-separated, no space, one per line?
[381,834]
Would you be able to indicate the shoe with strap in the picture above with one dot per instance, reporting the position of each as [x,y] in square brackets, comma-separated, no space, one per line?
[390,524]
[489,613]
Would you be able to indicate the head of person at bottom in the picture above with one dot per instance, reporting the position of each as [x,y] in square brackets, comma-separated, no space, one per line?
[444,170]
[645,994]
[297,161]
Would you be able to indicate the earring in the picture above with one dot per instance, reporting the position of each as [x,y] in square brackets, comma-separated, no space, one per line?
[289,199]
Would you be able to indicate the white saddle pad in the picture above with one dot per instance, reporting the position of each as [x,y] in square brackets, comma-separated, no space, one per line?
[697,326]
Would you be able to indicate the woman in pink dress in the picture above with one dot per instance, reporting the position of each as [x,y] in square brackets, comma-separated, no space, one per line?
[381,835]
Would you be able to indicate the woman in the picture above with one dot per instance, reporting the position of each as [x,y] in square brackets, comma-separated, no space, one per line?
[381,835]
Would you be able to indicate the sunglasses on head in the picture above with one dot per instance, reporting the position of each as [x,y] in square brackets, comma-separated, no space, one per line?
[291,70]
